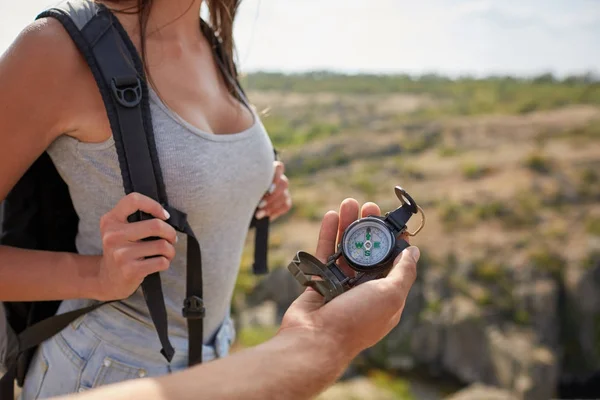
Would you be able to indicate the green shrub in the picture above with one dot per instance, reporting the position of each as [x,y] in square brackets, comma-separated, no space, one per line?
[411,171]
[589,177]
[481,295]
[521,317]
[590,131]
[245,282]
[488,271]
[363,180]
[451,213]
[421,142]
[474,171]
[548,261]
[398,386]
[538,162]
[285,132]
[592,260]
[523,210]
[307,210]
[492,209]
[447,151]
[435,306]
[592,226]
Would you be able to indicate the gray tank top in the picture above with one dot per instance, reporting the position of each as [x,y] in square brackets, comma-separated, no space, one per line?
[217,180]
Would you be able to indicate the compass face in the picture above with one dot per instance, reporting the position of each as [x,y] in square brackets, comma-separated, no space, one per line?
[367,243]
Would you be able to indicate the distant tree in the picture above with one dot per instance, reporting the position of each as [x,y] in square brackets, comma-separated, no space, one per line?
[545,78]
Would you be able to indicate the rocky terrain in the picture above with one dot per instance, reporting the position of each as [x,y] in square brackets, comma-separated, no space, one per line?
[508,290]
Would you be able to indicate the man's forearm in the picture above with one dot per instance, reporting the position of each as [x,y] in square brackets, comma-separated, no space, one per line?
[32,275]
[291,366]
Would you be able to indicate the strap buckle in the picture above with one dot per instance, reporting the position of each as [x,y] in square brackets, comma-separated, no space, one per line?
[127,90]
[193,308]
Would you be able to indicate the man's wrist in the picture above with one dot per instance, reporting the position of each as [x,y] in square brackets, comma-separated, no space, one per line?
[325,351]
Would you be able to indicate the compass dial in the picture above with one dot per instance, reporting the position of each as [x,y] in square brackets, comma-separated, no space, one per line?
[367,243]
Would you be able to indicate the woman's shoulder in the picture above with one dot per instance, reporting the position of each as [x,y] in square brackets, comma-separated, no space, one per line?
[44,69]
[45,46]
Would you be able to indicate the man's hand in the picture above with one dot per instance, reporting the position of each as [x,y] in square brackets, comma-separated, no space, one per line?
[362,316]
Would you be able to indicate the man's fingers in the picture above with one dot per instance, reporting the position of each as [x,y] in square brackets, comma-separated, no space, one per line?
[134,202]
[348,214]
[370,209]
[327,236]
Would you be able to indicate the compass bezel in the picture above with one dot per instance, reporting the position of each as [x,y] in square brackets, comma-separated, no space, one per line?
[368,267]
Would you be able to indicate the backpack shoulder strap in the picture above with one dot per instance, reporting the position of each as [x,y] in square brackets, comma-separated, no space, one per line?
[119,73]
[120,77]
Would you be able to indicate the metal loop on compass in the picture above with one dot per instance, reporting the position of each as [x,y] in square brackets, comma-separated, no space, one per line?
[422,213]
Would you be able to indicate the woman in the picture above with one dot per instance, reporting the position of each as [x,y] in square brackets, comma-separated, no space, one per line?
[49,101]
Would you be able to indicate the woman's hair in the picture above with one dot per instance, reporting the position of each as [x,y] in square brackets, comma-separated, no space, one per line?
[221,12]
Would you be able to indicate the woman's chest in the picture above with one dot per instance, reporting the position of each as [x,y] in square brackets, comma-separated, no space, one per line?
[212,177]
[215,179]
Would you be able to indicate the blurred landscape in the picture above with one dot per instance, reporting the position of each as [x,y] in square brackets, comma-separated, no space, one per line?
[508,173]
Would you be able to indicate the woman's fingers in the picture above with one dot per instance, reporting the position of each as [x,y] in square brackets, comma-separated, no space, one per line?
[151,248]
[277,207]
[272,202]
[137,231]
[134,202]
[152,265]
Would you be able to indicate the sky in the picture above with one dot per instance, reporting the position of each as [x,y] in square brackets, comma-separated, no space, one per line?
[449,37]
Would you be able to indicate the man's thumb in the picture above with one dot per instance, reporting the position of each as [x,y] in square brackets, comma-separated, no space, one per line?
[412,251]
[405,265]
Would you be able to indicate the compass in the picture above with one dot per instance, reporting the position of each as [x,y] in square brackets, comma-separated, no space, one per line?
[369,246]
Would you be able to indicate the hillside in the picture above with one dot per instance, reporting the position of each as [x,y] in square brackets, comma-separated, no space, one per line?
[508,174]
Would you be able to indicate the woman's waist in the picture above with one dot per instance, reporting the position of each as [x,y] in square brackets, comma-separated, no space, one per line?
[129,322]
[122,329]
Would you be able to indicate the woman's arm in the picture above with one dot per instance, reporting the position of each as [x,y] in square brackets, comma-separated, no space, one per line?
[31,275]
[46,90]
[38,83]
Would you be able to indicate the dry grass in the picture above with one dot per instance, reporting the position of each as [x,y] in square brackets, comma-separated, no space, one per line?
[481,179]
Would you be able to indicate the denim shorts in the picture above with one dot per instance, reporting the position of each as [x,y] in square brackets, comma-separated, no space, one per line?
[88,354]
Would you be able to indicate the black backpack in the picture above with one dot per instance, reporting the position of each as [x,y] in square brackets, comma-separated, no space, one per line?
[38,212]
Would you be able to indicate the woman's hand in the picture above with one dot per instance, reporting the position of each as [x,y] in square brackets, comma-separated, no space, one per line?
[125,263]
[277,201]
[361,317]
